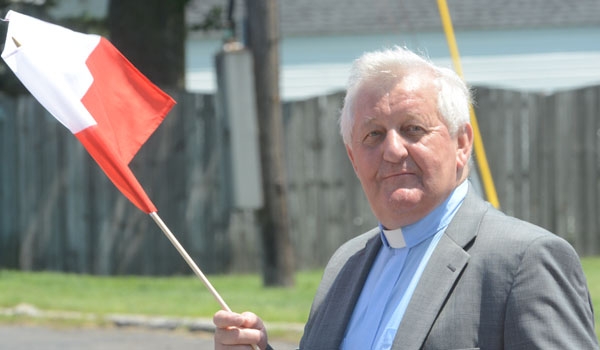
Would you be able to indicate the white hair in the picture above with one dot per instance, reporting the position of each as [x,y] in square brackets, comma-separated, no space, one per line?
[383,69]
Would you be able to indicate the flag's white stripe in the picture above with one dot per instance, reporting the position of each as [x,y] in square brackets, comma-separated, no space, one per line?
[51,63]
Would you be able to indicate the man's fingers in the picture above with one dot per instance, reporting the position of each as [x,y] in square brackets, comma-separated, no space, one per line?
[233,329]
[234,336]
[224,319]
[250,320]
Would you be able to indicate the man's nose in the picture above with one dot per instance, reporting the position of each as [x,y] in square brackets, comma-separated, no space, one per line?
[394,147]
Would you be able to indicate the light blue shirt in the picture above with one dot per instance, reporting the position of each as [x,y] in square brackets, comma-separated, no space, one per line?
[394,276]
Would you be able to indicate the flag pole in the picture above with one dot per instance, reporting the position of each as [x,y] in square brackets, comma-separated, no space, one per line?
[188,259]
[192,264]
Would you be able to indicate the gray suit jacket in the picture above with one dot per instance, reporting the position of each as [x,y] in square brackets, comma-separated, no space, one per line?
[493,282]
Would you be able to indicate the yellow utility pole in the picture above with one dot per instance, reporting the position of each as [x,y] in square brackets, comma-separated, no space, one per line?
[480,157]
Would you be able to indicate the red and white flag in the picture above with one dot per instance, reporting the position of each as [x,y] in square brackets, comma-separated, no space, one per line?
[85,83]
[93,90]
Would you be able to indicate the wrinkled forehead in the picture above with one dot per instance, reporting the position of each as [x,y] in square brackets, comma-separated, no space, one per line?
[377,87]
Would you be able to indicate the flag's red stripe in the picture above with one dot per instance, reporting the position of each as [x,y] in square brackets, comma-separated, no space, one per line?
[124,103]
[93,139]
[127,108]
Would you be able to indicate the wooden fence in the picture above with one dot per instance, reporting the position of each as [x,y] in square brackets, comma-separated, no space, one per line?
[58,211]
[544,152]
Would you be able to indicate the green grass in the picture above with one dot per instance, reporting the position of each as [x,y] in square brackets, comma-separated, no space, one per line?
[591,266]
[165,296]
[182,296]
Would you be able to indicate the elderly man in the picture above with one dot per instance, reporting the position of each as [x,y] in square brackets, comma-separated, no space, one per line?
[444,269]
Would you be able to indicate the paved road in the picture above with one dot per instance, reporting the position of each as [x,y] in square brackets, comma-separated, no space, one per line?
[17,337]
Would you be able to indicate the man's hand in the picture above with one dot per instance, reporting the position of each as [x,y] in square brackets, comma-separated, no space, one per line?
[239,331]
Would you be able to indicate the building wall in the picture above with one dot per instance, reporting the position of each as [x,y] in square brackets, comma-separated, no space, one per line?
[542,60]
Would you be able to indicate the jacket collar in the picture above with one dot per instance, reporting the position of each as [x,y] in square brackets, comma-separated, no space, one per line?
[441,274]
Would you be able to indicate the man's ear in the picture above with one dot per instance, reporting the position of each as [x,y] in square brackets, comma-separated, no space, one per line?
[351,157]
[464,140]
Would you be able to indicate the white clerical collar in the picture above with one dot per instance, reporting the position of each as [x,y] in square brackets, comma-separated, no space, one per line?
[394,238]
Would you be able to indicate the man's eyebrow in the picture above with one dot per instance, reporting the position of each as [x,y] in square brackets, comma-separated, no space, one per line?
[367,119]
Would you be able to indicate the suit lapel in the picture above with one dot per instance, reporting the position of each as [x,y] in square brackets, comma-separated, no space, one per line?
[330,321]
[440,275]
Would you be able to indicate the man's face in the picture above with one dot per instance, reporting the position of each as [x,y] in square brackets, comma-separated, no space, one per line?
[402,151]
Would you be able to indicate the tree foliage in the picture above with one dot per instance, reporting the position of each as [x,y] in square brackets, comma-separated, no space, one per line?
[151,34]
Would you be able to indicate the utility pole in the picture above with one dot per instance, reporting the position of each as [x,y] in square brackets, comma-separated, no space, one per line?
[263,40]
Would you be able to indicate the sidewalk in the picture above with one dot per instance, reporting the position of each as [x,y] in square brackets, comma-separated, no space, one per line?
[119,331]
[21,337]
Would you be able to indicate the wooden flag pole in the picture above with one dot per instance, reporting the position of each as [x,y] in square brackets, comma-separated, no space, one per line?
[191,263]
[189,260]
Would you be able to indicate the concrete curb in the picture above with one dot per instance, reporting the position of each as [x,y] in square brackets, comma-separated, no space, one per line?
[137,321]
[141,321]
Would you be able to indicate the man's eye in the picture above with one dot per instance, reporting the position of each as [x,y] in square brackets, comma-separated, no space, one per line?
[414,130]
[372,136]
